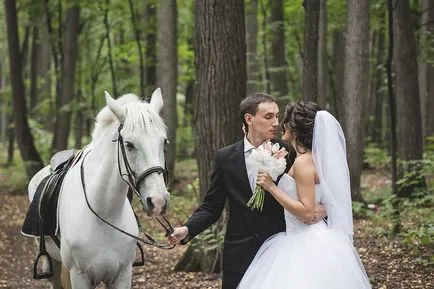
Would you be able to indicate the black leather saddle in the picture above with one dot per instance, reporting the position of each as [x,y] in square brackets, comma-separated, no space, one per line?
[43,207]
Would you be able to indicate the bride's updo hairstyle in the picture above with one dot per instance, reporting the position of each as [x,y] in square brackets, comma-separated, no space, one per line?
[299,118]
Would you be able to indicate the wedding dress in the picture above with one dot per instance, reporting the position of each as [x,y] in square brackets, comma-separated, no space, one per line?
[305,256]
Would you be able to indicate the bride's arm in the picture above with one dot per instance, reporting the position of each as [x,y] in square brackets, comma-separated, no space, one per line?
[304,173]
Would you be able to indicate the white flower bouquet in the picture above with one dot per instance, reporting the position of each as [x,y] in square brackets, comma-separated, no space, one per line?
[271,158]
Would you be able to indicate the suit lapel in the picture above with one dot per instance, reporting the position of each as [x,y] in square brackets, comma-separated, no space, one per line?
[237,163]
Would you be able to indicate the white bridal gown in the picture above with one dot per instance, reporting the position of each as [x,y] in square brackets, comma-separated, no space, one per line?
[305,256]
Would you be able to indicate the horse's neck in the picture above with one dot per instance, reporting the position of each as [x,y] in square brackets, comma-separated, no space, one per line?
[105,188]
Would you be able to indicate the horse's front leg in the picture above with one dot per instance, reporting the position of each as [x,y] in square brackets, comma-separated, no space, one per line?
[80,280]
[122,280]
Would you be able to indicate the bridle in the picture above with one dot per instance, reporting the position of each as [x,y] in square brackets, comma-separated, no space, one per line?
[133,184]
[133,181]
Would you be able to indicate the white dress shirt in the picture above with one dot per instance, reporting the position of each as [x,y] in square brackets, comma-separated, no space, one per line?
[252,170]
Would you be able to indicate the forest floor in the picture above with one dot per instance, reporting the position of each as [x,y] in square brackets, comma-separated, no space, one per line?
[388,262]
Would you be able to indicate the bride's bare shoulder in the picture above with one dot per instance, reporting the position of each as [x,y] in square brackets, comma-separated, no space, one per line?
[304,162]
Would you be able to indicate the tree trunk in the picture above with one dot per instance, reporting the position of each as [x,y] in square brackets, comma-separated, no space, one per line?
[109,44]
[356,87]
[396,220]
[410,143]
[44,67]
[151,50]
[63,119]
[252,43]
[167,74]
[378,127]
[35,59]
[337,79]
[220,86]
[3,107]
[11,141]
[323,76]
[310,57]
[30,156]
[137,34]
[426,70]
[264,41]
[279,86]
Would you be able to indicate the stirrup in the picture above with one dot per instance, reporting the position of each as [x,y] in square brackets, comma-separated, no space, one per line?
[42,252]
[141,261]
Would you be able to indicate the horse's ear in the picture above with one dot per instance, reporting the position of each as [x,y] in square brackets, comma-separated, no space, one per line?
[157,100]
[114,107]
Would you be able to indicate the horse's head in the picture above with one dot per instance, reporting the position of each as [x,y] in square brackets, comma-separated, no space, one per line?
[144,138]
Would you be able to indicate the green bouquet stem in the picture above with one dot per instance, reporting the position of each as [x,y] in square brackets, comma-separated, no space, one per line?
[256,202]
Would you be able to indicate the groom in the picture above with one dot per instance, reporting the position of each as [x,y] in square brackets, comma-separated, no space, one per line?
[233,179]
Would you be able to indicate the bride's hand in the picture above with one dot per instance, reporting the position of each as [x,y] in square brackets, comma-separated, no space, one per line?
[264,180]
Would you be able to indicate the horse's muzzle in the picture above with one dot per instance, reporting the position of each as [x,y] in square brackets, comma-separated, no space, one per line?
[155,205]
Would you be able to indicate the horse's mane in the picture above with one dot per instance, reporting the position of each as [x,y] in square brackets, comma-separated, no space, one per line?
[140,117]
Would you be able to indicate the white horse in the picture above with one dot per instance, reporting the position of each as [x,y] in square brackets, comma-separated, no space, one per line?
[93,251]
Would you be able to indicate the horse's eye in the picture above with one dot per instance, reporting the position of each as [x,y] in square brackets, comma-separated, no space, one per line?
[166,142]
[129,146]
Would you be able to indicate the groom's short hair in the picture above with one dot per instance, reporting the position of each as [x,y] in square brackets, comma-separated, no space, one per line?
[250,105]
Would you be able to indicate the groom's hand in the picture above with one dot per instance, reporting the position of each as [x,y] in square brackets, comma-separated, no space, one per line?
[320,213]
[179,233]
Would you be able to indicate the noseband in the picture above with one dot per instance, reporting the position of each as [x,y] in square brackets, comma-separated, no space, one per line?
[133,184]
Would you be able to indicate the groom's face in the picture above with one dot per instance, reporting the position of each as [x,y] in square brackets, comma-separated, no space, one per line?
[264,124]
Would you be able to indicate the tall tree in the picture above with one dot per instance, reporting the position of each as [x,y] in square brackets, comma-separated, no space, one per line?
[167,73]
[378,79]
[70,56]
[220,86]
[356,87]
[337,76]
[322,56]
[137,35]
[310,56]
[3,107]
[34,63]
[410,143]
[109,44]
[426,70]
[278,67]
[30,156]
[252,44]
[150,49]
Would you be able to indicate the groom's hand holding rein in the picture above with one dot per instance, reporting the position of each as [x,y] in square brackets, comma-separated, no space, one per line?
[179,234]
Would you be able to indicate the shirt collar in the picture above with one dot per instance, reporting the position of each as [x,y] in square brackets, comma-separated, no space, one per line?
[247,145]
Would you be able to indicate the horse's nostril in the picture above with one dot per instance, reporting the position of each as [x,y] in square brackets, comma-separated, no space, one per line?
[149,203]
[164,209]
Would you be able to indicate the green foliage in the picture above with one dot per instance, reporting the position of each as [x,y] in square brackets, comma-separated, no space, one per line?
[184,133]
[294,35]
[209,240]
[376,157]
[336,14]
[43,140]
[186,30]
[416,239]
[13,177]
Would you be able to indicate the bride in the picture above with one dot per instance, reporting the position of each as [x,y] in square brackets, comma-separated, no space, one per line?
[321,255]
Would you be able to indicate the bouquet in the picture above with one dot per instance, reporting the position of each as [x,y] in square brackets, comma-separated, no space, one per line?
[271,158]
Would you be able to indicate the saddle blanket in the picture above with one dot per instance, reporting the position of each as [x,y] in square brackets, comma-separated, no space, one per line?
[32,222]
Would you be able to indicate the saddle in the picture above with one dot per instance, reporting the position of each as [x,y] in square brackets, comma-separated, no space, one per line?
[43,208]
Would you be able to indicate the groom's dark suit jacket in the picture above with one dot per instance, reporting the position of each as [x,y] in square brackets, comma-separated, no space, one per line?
[246,229]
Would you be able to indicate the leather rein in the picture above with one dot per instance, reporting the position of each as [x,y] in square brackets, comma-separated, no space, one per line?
[133,183]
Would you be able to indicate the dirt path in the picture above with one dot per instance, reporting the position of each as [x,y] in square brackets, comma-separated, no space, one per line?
[388,263]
